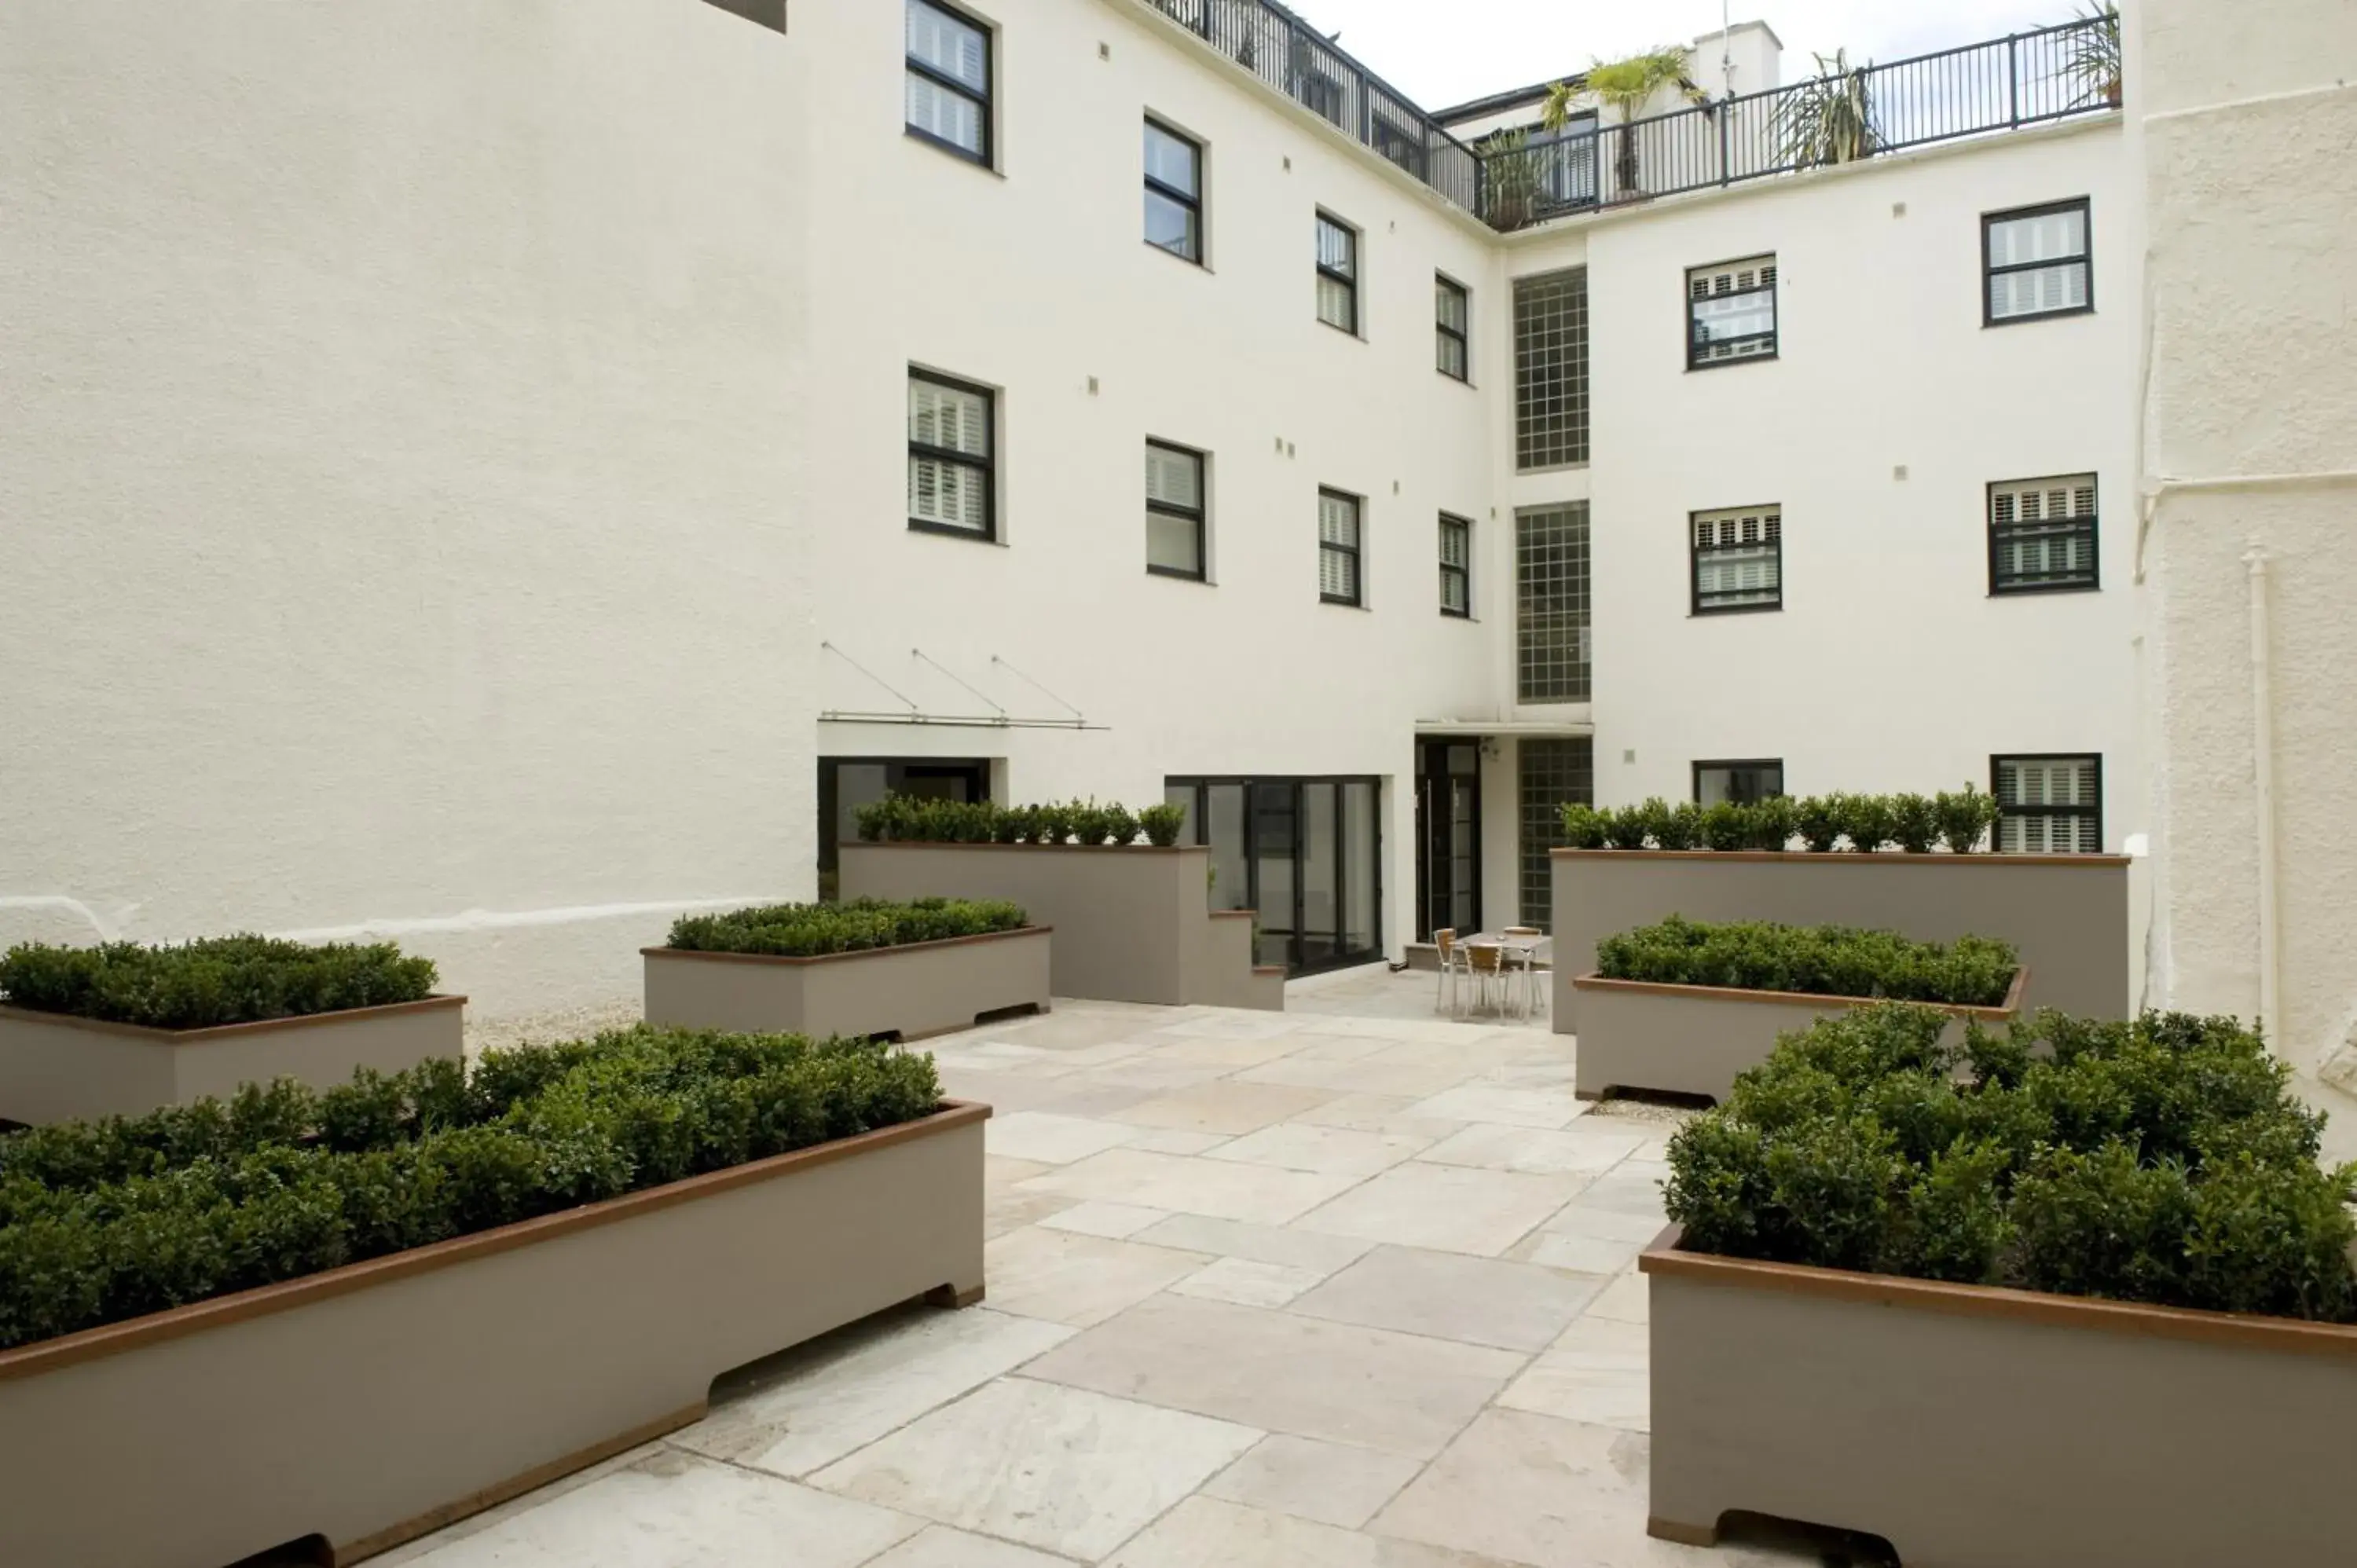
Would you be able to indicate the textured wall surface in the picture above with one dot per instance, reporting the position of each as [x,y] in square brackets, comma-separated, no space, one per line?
[2251,445]
[397,476]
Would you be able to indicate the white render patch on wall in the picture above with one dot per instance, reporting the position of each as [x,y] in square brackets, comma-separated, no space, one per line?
[398,445]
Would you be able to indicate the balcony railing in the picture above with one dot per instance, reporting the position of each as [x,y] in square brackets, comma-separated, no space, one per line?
[1518,179]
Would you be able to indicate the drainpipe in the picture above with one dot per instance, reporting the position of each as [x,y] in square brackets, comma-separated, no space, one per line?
[2262,753]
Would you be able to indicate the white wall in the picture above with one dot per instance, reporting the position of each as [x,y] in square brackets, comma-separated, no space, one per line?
[396,462]
[2249,450]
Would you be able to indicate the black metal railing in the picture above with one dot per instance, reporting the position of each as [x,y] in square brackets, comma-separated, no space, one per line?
[1299,60]
[2025,79]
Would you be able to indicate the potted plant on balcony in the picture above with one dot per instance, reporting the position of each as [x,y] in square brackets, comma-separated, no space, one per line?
[2075,1293]
[2091,55]
[1625,86]
[121,1028]
[331,1322]
[1830,118]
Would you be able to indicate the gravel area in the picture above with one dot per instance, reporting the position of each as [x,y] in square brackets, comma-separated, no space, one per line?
[559,1023]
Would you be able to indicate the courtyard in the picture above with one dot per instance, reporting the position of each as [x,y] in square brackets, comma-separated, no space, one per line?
[1351,1289]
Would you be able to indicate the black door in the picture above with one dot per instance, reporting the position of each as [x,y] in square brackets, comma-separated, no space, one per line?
[848,783]
[1448,837]
[1303,853]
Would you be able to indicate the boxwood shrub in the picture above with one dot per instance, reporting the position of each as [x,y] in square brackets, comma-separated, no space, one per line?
[2160,1161]
[200,985]
[807,930]
[910,819]
[1821,961]
[102,1221]
[1960,822]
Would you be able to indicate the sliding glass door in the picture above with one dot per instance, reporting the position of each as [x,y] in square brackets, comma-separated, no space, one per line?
[1304,853]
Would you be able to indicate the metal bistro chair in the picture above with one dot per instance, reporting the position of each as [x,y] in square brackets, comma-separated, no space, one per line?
[1524,962]
[1452,960]
[1485,964]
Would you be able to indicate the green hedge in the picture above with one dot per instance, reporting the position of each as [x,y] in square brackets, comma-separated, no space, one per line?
[200,984]
[1821,961]
[1959,821]
[2162,1161]
[910,819]
[103,1221]
[805,930]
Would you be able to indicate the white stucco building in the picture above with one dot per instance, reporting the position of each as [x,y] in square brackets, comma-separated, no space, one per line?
[496,481]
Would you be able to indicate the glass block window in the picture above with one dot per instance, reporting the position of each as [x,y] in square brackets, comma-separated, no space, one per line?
[2049,804]
[1456,566]
[1550,603]
[1174,192]
[949,80]
[1339,581]
[1338,273]
[2037,263]
[1738,560]
[950,457]
[1731,313]
[1555,774]
[2042,534]
[1174,510]
[1452,315]
[1551,370]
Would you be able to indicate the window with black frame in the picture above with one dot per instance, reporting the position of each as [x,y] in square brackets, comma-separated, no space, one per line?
[1737,783]
[949,80]
[1174,192]
[1452,319]
[2049,803]
[1456,566]
[952,484]
[2037,263]
[1738,560]
[1174,510]
[1731,313]
[1339,581]
[2042,535]
[1338,273]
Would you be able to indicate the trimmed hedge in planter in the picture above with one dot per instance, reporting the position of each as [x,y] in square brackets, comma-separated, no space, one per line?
[208,983]
[105,1222]
[2162,1160]
[1960,823]
[1821,961]
[809,930]
[909,819]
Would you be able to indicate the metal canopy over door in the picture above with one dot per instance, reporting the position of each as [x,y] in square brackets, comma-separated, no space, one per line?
[1448,837]
[1305,854]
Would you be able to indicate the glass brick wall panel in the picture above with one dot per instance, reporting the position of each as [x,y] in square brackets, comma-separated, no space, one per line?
[1555,774]
[1551,370]
[1552,653]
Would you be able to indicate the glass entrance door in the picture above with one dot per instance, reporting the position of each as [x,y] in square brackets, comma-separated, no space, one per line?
[1448,837]
[848,783]
[1303,853]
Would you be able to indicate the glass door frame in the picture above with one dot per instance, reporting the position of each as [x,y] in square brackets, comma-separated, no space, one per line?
[1195,789]
[1432,781]
[973,772]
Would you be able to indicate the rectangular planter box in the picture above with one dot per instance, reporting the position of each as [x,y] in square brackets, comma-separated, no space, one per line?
[1133,924]
[55,1068]
[1694,1039]
[921,989]
[370,1404]
[2066,915]
[1973,1427]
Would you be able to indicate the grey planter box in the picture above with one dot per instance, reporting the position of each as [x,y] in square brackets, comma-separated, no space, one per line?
[2066,915]
[358,1409]
[1133,924]
[1973,1427]
[1694,1039]
[923,988]
[54,1068]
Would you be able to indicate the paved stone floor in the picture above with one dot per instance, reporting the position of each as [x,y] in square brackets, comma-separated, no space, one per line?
[1300,1290]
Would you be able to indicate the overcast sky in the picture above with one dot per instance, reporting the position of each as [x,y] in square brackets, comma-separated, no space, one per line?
[1441,52]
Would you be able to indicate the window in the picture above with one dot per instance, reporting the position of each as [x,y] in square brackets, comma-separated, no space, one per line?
[2042,535]
[1555,774]
[1551,648]
[1337,549]
[1304,855]
[1174,192]
[1452,310]
[1738,560]
[949,80]
[2037,263]
[1551,370]
[1174,510]
[1737,783]
[1337,274]
[2049,804]
[1731,313]
[1456,566]
[950,452]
